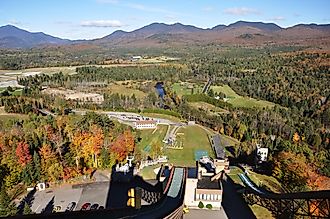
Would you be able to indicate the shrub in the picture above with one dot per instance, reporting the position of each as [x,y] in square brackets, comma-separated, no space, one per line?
[200,205]
[208,206]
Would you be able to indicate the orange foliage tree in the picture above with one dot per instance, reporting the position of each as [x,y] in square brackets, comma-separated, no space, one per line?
[123,145]
[23,153]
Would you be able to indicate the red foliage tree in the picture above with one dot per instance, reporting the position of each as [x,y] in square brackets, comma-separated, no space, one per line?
[23,153]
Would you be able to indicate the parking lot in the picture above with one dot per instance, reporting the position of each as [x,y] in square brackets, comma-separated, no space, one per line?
[94,193]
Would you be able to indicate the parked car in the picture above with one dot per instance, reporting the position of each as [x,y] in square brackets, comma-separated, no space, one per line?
[57,208]
[101,207]
[86,206]
[71,206]
[94,206]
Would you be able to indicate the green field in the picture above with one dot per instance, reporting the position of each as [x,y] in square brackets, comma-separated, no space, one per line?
[123,90]
[234,175]
[261,212]
[152,137]
[148,172]
[162,116]
[185,88]
[209,108]
[239,101]
[194,138]
[268,182]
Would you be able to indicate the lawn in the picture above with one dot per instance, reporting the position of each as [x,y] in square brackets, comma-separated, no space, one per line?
[162,116]
[148,172]
[239,101]
[211,109]
[123,90]
[152,137]
[268,182]
[185,88]
[6,119]
[261,212]
[193,138]
[234,172]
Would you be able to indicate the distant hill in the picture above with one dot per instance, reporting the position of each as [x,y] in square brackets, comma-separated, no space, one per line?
[160,34]
[271,27]
[13,37]
[156,29]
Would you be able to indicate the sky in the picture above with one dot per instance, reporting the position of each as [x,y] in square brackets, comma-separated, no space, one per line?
[89,19]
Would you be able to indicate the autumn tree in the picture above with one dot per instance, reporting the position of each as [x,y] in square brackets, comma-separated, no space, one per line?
[23,153]
[51,168]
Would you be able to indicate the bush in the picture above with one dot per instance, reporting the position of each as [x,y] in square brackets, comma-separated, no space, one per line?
[200,205]
[208,206]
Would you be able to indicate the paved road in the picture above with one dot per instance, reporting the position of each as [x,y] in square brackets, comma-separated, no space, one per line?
[62,197]
[95,193]
[205,214]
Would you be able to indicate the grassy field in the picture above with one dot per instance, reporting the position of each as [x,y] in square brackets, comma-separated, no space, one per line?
[123,90]
[185,88]
[152,137]
[261,212]
[234,172]
[148,172]
[211,109]
[194,138]
[159,59]
[268,182]
[162,116]
[6,117]
[239,101]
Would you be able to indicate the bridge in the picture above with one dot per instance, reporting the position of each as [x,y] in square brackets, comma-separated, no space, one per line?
[314,204]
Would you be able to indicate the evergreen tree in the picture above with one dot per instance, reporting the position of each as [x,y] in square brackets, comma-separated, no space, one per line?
[27,209]
[6,207]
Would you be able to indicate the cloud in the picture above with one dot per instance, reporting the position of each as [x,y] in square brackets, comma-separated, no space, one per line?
[14,22]
[101,23]
[277,18]
[241,11]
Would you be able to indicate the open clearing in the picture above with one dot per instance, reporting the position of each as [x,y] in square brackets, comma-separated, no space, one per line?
[239,101]
[209,108]
[124,90]
[193,138]
[151,137]
[186,88]
[162,116]
[159,59]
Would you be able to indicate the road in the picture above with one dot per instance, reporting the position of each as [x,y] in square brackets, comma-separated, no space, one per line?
[206,214]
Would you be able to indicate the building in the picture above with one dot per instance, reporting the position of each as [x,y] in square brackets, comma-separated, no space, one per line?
[217,146]
[136,58]
[145,124]
[262,154]
[203,186]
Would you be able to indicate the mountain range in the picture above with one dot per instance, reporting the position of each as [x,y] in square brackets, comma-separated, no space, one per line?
[160,33]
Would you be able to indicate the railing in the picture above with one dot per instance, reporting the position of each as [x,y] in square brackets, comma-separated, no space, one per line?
[315,204]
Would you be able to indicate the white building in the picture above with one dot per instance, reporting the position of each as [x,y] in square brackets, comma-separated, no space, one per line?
[145,124]
[262,154]
[204,187]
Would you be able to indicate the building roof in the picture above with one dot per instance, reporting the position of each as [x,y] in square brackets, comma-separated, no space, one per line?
[192,172]
[141,122]
[217,146]
[206,183]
